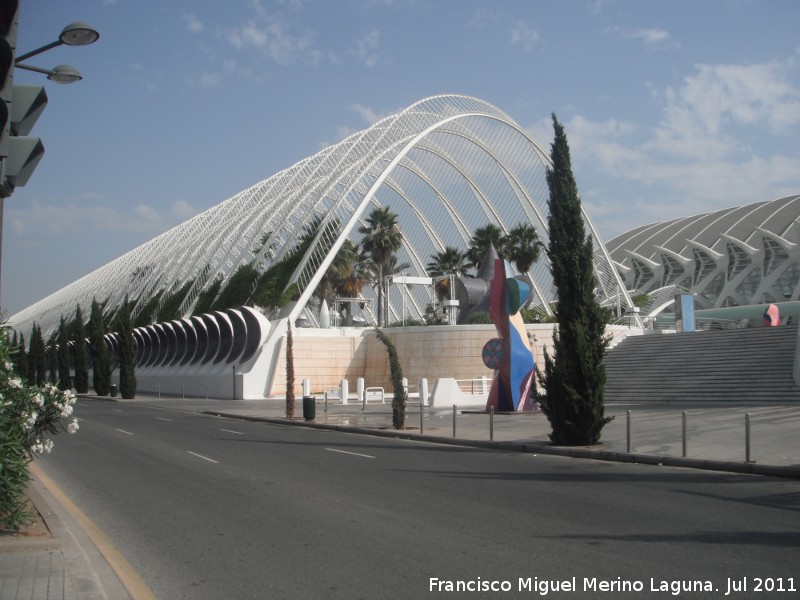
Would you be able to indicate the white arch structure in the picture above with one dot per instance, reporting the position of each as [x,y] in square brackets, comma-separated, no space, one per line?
[445,165]
[732,257]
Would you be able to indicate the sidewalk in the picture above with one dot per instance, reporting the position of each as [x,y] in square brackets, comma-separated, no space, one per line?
[54,558]
[59,560]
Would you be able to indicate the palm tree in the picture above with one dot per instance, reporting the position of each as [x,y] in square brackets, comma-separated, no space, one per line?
[449,262]
[382,238]
[390,269]
[489,235]
[348,274]
[524,246]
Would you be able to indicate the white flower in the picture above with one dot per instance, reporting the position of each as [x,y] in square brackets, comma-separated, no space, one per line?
[73,426]
[66,410]
[8,366]
[38,399]
[38,447]
[30,421]
[16,382]
[48,446]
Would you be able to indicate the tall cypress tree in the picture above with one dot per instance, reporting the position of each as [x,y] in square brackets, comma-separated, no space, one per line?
[101,369]
[81,368]
[52,360]
[21,358]
[127,351]
[64,361]
[32,351]
[40,359]
[574,378]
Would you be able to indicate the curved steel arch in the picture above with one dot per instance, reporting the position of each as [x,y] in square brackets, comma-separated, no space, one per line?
[457,162]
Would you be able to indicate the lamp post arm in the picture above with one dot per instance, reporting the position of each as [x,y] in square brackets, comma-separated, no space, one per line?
[36,69]
[26,56]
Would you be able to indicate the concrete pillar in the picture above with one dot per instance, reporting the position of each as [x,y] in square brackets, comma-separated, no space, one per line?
[360,389]
[423,391]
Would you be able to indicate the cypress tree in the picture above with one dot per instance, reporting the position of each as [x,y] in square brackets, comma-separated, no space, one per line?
[574,377]
[127,351]
[52,361]
[81,366]
[101,371]
[396,374]
[31,373]
[40,359]
[21,358]
[289,373]
[64,361]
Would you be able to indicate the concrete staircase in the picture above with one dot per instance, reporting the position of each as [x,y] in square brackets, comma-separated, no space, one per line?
[735,365]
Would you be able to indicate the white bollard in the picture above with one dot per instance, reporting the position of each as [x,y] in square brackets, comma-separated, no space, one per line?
[306,387]
[362,397]
[423,391]
[344,390]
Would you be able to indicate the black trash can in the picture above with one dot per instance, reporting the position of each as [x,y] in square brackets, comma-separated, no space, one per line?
[113,390]
[309,408]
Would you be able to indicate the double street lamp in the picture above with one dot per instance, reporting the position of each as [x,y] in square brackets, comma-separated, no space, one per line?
[20,106]
[74,34]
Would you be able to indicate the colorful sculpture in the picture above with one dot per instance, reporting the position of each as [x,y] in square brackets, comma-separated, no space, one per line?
[772,316]
[510,353]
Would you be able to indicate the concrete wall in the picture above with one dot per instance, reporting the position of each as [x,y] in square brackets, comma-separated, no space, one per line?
[325,357]
[430,352]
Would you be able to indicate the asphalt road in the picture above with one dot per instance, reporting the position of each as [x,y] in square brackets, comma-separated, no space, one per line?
[205,507]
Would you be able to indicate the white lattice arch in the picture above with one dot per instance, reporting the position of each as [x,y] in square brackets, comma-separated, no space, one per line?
[446,165]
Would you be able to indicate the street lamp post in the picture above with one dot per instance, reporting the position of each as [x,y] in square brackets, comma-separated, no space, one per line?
[20,155]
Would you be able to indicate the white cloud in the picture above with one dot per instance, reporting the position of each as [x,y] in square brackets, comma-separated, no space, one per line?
[193,24]
[652,37]
[209,79]
[183,211]
[274,36]
[366,48]
[369,115]
[700,153]
[78,219]
[523,35]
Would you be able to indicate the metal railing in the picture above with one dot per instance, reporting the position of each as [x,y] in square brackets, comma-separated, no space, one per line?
[477,386]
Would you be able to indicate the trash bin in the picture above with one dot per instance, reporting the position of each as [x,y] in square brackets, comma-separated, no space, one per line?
[309,408]
[113,390]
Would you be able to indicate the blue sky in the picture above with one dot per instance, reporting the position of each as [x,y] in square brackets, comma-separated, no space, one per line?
[671,108]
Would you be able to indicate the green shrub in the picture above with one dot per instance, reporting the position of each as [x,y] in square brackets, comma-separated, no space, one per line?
[28,417]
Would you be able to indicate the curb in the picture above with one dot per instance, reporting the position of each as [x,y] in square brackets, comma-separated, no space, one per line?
[541,448]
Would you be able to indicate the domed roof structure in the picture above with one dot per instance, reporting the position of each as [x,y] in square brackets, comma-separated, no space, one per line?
[732,257]
[445,165]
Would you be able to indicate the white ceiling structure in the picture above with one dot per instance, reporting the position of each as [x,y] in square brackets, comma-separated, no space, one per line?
[733,257]
[445,165]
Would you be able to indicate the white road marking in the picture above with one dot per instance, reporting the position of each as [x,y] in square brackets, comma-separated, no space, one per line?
[125,432]
[116,410]
[232,431]
[351,453]
[163,419]
[211,460]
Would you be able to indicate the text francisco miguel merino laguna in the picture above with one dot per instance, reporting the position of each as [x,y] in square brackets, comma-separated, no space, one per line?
[673,587]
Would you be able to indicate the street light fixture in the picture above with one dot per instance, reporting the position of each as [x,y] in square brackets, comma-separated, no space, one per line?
[78,33]
[20,154]
[59,74]
[74,34]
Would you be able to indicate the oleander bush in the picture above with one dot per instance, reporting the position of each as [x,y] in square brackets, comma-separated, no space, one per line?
[29,417]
